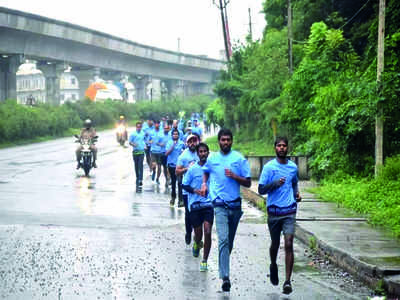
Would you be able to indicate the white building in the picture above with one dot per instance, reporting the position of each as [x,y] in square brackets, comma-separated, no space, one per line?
[69,88]
[32,83]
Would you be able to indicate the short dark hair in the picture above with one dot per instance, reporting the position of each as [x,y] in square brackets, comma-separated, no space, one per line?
[280,139]
[174,130]
[138,123]
[204,145]
[225,131]
[156,122]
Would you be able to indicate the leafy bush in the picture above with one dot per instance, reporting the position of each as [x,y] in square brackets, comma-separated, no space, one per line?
[378,199]
[20,122]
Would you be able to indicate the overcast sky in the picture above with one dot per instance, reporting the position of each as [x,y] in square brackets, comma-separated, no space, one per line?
[155,22]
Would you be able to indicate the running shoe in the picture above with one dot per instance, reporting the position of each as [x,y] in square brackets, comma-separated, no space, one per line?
[203,266]
[188,238]
[181,204]
[172,202]
[287,287]
[273,270]
[157,181]
[196,249]
[226,284]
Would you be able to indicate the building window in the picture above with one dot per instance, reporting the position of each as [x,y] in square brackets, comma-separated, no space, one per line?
[73,97]
[73,81]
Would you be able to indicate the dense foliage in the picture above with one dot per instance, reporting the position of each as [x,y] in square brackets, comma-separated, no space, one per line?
[327,107]
[20,122]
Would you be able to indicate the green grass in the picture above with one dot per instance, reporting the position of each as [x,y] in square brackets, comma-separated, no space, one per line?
[377,199]
[248,148]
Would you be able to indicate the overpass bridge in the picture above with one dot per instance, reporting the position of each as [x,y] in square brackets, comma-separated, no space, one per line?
[55,45]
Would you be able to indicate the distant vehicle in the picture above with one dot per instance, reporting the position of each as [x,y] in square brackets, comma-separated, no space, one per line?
[99,91]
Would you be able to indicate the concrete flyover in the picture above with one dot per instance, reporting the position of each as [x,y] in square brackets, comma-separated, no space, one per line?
[90,53]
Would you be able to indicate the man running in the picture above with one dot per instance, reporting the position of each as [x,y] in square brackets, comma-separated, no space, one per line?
[136,140]
[174,148]
[148,129]
[227,170]
[201,212]
[162,142]
[156,151]
[279,180]
[185,160]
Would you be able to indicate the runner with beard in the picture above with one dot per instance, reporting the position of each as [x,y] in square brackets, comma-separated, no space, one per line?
[279,180]
[227,170]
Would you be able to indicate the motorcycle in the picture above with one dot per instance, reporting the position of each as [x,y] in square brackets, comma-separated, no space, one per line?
[122,134]
[86,162]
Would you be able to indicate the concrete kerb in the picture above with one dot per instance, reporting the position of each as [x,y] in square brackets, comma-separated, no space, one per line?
[368,273]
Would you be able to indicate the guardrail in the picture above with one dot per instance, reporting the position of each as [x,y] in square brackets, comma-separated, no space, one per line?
[257,163]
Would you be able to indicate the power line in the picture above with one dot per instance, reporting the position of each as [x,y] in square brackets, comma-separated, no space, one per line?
[354,15]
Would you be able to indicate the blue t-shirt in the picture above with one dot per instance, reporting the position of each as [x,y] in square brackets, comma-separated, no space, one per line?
[282,196]
[148,132]
[198,130]
[194,178]
[155,137]
[172,158]
[137,138]
[186,159]
[223,188]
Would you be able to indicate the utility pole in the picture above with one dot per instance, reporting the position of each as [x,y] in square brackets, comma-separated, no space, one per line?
[290,36]
[222,5]
[250,25]
[380,66]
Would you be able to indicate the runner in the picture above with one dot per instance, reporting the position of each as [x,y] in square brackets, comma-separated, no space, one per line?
[185,160]
[148,128]
[197,129]
[175,125]
[174,148]
[227,170]
[136,140]
[279,180]
[201,212]
[156,151]
[164,138]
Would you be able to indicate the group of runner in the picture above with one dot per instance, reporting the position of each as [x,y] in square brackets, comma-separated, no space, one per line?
[209,186]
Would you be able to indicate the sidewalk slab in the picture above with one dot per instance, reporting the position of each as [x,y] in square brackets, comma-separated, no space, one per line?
[367,252]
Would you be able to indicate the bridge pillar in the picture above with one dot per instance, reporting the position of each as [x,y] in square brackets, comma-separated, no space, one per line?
[141,82]
[85,78]
[52,73]
[176,88]
[8,76]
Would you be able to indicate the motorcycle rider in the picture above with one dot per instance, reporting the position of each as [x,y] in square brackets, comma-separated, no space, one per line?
[122,122]
[87,132]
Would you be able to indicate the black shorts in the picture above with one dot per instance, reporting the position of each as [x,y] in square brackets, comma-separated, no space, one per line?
[198,217]
[156,158]
[278,224]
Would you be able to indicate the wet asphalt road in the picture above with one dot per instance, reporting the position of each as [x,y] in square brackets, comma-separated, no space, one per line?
[65,236]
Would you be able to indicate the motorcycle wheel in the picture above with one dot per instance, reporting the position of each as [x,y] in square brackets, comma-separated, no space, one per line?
[86,165]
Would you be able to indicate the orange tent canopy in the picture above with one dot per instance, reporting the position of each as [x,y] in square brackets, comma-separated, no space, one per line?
[93,88]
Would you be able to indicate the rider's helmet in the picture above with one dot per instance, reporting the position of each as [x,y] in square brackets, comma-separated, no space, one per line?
[88,123]
[121,117]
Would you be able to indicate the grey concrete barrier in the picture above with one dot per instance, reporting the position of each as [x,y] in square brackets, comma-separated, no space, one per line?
[257,163]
